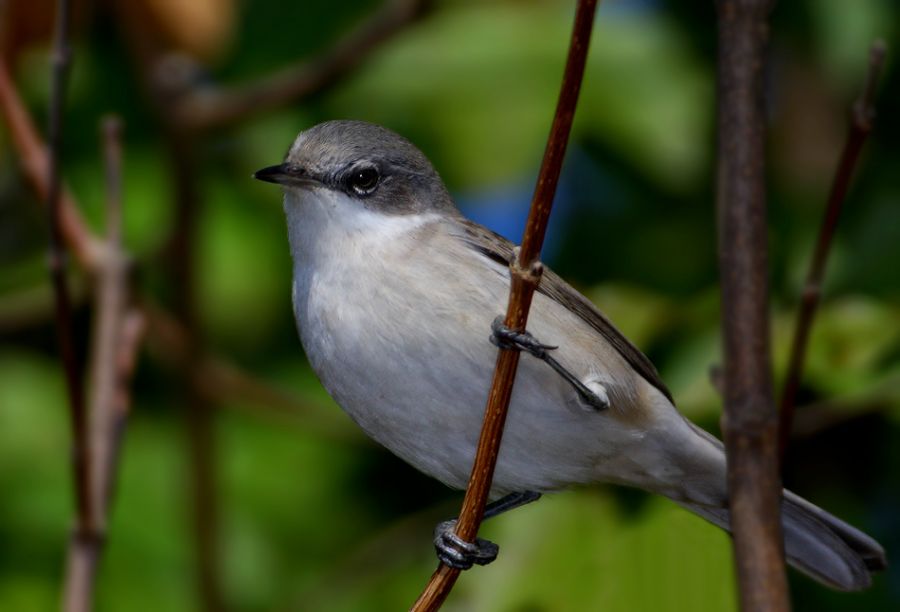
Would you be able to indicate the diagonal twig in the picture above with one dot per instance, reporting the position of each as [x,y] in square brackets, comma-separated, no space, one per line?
[181,118]
[525,275]
[222,379]
[862,117]
[205,108]
[35,160]
[750,421]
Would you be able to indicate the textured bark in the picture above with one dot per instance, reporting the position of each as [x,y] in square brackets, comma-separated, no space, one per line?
[750,422]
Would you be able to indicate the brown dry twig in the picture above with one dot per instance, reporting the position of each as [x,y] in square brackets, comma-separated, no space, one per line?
[35,160]
[82,547]
[118,335]
[222,378]
[205,108]
[181,114]
[91,252]
[862,117]
[750,422]
[61,62]
[525,275]
[118,331]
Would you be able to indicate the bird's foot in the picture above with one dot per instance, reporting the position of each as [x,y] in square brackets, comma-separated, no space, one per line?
[455,552]
[506,338]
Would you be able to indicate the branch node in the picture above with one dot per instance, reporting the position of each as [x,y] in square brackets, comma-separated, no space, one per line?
[525,274]
[861,122]
[529,272]
[864,108]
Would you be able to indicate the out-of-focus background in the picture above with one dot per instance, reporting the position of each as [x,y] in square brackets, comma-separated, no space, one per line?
[302,512]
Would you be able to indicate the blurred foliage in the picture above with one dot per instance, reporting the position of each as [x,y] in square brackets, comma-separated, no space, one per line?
[314,517]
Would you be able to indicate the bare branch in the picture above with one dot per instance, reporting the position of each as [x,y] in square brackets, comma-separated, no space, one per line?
[861,119]
[35,161]
[525,275]
[111,296]
[181,145]
[62,57]
[221,379]
[207,108]
[76,597]
[117,334]
[750,422]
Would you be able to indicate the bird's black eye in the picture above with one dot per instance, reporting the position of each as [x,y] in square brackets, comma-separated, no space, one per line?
[363,180]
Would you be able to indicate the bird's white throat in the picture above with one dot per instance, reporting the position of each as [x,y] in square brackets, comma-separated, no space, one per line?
[326,223]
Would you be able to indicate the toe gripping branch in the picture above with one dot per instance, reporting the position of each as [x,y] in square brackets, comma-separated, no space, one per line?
[455,552]
[507,338]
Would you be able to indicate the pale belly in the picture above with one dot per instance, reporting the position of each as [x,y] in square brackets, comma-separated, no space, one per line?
[413,367]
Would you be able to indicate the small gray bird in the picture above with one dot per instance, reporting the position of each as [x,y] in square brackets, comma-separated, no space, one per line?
[394,294]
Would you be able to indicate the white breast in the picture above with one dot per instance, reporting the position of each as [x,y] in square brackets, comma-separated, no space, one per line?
[394,314]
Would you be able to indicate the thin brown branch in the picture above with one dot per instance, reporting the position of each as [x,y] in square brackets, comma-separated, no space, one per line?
[62,59]
[81,458]
[112,296]
[222,380]
[117,333]
[201,438]
[525,275]
[182,147]
[862,117]
[35,161]
[117,357]
[750,422]
[207,107]
[115,346]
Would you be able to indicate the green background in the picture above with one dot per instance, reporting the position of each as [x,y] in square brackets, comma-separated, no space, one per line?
[313,516]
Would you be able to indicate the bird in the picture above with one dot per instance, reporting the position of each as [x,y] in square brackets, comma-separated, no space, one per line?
[395,295]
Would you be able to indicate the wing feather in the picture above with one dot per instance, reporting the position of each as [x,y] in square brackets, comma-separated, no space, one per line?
[499,249]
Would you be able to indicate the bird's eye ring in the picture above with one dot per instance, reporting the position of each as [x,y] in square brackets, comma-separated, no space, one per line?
[364,180]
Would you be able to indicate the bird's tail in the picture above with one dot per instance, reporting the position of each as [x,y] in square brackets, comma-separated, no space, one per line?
[818,544]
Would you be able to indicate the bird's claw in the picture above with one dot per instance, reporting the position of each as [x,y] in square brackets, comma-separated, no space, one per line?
[504,337]
[455,552]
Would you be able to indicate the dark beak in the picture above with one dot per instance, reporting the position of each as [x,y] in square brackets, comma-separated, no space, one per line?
[272,174]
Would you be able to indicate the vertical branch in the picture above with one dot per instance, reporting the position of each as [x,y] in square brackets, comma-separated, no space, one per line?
[116,338]
[84,526]
[62,55]
[750,422]
[199,414]
[111,298]
[525,275]
[862,117]
[181,146]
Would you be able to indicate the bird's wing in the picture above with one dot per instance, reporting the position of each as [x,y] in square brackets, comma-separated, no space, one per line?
[499,249]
